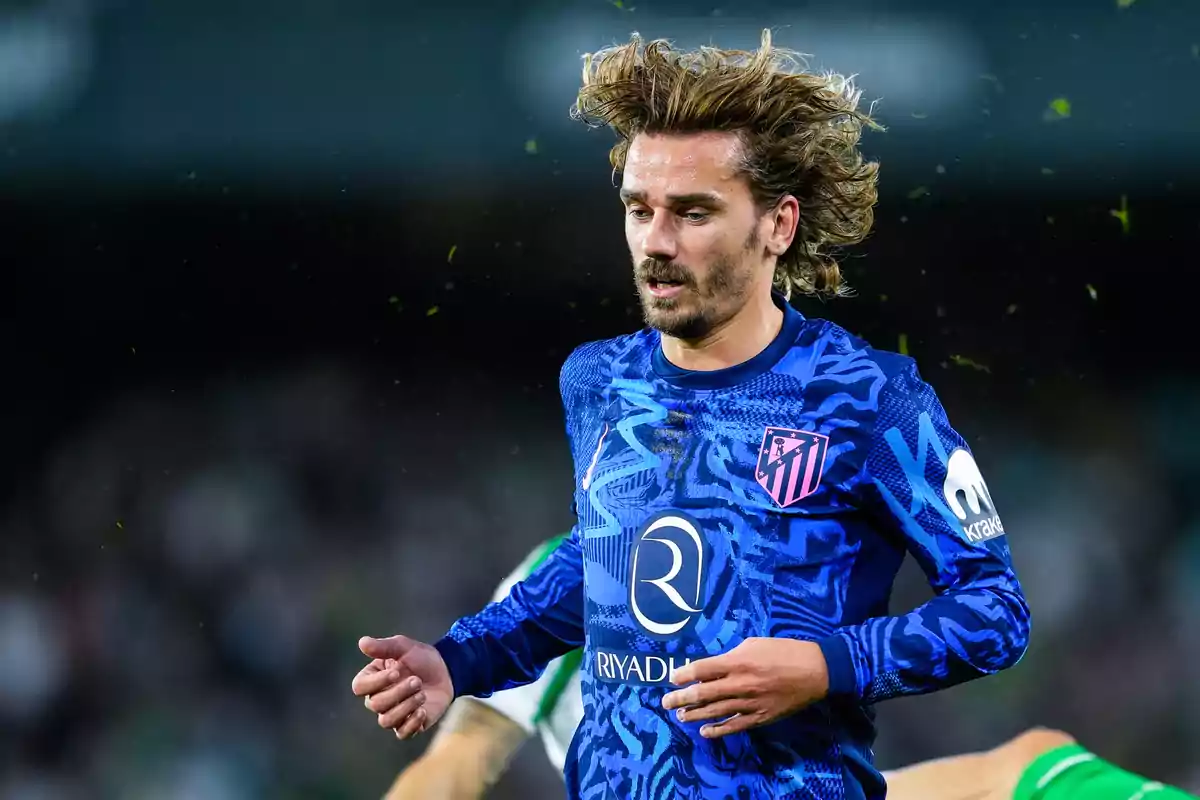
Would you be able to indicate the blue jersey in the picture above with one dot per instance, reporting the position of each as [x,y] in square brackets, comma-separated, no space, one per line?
[775,498]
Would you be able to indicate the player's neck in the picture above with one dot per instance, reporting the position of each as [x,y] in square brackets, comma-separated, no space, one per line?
[736,341]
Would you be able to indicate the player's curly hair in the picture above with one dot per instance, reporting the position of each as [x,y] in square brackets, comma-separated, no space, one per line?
[800,133]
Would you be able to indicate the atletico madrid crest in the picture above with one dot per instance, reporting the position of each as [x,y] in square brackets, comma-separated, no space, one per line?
[790,464]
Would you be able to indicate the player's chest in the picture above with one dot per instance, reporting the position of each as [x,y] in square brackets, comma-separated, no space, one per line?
[750,455]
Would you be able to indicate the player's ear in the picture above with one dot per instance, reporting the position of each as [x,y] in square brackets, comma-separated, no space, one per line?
[783,220]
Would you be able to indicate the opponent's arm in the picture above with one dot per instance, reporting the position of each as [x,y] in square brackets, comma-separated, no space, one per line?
[1039,763]
[990,775]
[469,753]
[978,622]
[961,777]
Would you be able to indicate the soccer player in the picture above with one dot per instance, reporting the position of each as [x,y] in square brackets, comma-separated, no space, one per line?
[474,743]
[747,480]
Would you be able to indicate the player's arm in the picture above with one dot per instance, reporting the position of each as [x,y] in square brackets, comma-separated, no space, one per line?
[510,642]
[990,775]
[1039,764]
[978,622]
[470,751]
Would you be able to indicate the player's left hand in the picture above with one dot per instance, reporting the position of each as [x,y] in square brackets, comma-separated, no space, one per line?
[756,683]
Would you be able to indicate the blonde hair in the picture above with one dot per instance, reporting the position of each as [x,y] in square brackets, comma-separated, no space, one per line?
[800,134]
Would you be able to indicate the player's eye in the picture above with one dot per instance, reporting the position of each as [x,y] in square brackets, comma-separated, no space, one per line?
[639,213]
[695,216]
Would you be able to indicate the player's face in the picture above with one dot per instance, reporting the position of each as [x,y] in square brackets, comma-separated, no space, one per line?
[693,231]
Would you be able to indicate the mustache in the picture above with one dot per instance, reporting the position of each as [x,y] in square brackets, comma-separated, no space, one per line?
[653,269]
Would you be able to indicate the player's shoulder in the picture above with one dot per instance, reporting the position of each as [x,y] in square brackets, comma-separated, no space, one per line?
[833,363]
[593,363]
[831,350]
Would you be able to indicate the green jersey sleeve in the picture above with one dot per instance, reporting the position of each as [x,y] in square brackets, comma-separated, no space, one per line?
[1072,773]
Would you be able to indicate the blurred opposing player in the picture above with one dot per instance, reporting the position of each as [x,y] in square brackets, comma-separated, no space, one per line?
[1040,764]
[748,480]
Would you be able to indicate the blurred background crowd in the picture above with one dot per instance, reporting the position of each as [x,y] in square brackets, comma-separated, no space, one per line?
[287,287]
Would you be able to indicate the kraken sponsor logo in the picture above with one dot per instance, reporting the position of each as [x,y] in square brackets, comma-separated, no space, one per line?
[968,497]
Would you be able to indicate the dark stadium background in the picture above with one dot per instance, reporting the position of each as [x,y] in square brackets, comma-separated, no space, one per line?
[286,291]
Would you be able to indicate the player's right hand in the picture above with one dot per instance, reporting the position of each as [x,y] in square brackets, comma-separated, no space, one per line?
[407,684]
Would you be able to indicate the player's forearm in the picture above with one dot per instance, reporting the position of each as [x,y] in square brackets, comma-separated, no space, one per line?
[471,750]
[965,777]
[438,775]
[509,643]
[951,639]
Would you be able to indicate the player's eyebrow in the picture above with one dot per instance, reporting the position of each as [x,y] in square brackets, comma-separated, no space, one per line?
[707,199]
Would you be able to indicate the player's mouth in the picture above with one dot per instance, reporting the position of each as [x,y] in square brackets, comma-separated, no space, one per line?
[663,289]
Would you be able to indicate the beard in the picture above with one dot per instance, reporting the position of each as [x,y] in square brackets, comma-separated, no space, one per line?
[699,307]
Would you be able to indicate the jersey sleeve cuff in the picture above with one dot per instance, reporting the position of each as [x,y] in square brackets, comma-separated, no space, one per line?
[843,679]
[458,660]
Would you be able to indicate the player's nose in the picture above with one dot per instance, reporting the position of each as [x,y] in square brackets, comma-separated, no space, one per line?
[659,239]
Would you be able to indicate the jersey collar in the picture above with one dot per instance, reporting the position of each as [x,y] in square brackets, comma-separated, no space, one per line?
[793,320]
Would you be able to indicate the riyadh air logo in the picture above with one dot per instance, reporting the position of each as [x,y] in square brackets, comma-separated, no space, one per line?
[667,573]
[968,497]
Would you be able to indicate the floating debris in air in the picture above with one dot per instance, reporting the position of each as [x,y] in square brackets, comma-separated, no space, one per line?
[1059,108]
[964,361]
[1122,214]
